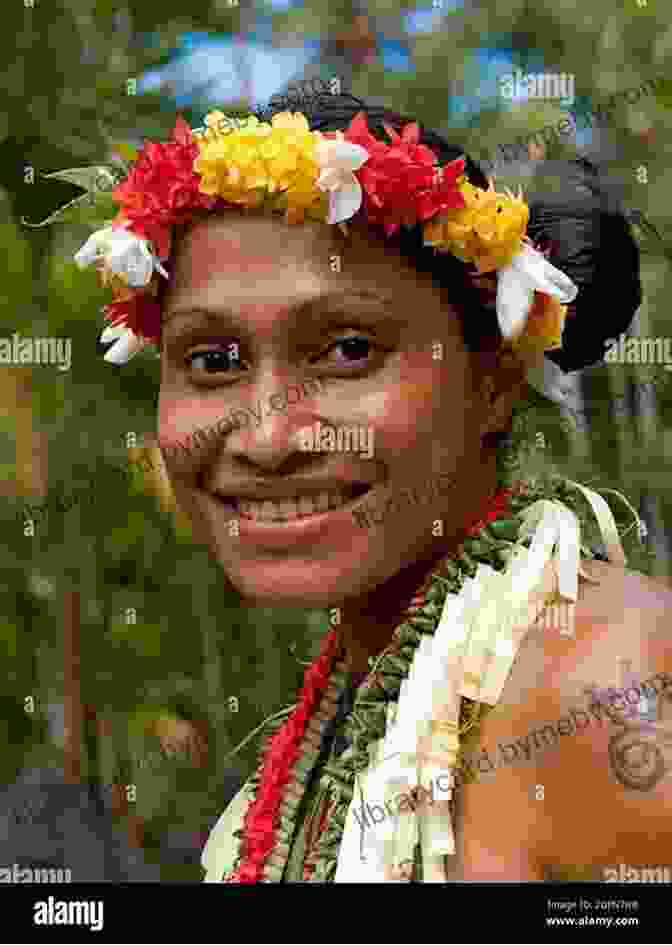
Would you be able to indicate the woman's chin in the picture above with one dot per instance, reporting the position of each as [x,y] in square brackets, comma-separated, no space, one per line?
[309,587]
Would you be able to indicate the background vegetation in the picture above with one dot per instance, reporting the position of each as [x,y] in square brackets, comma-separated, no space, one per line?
[124,659]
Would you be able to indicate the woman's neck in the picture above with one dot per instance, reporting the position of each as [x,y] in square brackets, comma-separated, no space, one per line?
[367,624]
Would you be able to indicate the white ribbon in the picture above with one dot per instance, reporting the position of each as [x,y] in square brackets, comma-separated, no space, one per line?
[528,271]
[605,520]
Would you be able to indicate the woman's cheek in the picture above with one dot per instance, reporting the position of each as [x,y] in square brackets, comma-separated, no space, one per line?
[404,412]
[179,417]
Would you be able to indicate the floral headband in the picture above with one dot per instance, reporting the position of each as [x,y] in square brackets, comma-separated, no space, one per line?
[283,166]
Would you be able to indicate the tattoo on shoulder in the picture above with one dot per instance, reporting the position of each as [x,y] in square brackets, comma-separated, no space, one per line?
[640,752]
[640,756]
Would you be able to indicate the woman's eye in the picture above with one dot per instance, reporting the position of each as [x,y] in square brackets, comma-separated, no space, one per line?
[215,360]
[354,348]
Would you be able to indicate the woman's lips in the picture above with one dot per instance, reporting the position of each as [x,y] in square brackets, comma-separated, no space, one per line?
[274,531]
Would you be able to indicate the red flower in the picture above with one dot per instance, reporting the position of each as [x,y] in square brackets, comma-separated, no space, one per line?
[140,313]
[162,188]
[401,181]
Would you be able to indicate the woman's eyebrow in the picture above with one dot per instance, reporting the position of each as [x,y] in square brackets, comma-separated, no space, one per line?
[313,306]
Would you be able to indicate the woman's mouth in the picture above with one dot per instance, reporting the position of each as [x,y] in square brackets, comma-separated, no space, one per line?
[293,508]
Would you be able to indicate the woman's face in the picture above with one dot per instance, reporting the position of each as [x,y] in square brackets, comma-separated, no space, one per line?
[289,328]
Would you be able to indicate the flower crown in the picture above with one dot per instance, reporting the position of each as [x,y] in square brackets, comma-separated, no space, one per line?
[283,166]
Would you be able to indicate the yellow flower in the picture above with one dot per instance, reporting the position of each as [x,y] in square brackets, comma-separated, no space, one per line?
[291,121]
[544,326]
[488,231]
[257,160]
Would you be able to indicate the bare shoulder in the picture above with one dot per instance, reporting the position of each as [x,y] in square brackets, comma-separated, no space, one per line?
[562,761]
[621,617]
[623,594]
[624,617]
[613,680]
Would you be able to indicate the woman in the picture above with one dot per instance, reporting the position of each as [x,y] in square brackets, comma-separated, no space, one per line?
[415,315]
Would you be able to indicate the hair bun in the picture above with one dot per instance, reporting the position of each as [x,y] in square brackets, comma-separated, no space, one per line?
[579,217]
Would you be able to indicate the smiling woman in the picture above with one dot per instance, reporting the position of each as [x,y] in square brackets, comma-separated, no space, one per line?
[411,301]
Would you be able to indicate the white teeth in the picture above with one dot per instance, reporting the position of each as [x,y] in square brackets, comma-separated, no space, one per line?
[268,511]
[322,502]
[288,508]
[284,510]
[306,505]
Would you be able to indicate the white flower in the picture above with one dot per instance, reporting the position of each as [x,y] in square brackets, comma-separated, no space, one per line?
[123,253]
[338,159]
[528,272]
[127,344]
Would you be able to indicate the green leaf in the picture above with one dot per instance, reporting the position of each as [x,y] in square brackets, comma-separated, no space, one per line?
[506,529]
[663,93]
[432,609]
[407,634]
[479,548]
[97,210]
[424,623]
[95,178]
[9,637]
[395,662]
[435,594]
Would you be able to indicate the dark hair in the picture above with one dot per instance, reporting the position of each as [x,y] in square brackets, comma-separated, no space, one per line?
[580,223]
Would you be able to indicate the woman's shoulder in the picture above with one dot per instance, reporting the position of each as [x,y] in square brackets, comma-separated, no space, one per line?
[620,615]
[624,605]
[631,588]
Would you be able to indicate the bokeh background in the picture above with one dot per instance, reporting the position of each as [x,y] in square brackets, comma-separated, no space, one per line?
[129,675]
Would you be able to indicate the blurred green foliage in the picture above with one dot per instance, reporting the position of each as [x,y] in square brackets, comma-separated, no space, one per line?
[192,649]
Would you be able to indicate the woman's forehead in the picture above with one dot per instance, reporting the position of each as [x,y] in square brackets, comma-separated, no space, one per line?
[254,245]
[247,260]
